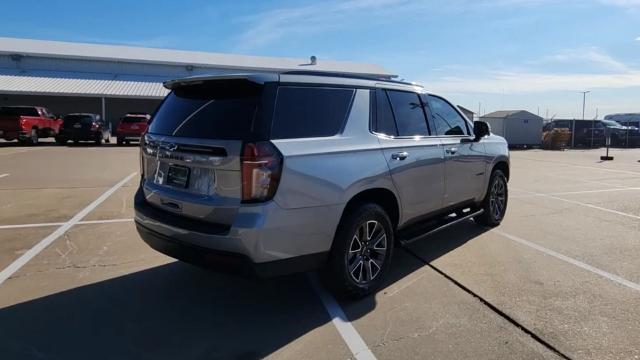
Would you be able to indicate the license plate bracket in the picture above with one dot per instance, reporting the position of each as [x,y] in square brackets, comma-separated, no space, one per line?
[178,176]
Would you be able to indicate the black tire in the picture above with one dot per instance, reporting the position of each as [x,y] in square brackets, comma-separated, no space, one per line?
[120,142]
[61,141]
[494,211]
[99,139]
[33,138]
[108,139]
[336,275]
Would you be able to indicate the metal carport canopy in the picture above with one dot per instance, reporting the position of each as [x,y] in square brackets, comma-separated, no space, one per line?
[87,85]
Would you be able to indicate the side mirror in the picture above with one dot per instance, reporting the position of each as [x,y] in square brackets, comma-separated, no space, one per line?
[480,130]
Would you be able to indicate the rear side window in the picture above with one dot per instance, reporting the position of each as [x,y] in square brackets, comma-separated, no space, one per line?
[409,113]
[446,119]
[303,112]
[385,123]
[222,109]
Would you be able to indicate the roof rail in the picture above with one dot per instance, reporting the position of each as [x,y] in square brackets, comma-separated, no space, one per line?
[348,75]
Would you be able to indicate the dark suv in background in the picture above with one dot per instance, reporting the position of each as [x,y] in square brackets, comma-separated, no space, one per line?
[84,127]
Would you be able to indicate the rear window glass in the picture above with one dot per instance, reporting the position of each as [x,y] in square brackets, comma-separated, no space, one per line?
[18,111]
[133,119]
[211,109]
[69,120]
[303,112]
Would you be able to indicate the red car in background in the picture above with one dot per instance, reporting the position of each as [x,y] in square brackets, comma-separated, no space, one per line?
[27,123]
[131,127]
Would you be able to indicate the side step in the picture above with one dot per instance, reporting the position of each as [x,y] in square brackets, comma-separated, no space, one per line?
[435,226]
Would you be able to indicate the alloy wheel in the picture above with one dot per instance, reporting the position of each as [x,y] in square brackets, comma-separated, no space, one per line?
[367,252]
[498,199]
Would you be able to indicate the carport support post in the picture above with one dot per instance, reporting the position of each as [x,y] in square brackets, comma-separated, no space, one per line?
[104,113]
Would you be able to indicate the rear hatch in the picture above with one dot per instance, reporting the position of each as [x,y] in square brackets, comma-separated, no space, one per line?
[191,152]
[77,124]
[132,125]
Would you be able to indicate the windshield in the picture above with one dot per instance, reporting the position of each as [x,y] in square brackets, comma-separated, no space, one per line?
[611,123]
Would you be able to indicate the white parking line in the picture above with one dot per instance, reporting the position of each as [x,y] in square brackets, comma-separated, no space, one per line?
[583,204]
[581,166]
[22,260]
[580,264]
[3,175]
[20,226]
[349,334]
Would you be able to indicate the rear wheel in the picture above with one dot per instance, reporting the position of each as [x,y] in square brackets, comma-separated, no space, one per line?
[495,201]
[99,139]
[61,141]
[361,252]
[33,137]
[120,142]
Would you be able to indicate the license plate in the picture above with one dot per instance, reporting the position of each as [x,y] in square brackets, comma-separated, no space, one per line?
[77,126]
[134,127]
[178,176]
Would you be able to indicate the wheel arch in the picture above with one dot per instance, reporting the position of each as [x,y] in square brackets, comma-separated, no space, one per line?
[383,197]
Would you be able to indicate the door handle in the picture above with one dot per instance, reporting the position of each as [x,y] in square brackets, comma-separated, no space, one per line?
[399,155]
[451,151]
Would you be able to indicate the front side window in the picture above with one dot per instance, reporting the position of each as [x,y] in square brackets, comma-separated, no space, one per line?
[446,119]
[304,112]
[409,113]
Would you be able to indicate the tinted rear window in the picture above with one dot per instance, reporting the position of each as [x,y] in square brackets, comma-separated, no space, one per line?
[69,120]
[212,109]
[133,119]
[303,112]
[18,111]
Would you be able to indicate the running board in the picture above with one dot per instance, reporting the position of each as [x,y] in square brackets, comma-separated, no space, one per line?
[441,227]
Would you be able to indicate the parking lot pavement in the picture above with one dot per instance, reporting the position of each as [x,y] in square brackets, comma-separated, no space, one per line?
[556,279]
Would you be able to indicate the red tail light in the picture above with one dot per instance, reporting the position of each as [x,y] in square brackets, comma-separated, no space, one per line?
[94,126]
[261,165]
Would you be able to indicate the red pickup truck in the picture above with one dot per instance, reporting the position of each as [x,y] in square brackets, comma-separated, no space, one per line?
[27,123]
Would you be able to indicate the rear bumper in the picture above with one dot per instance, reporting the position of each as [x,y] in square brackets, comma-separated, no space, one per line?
[129,136]
[78,136]
[264,240]
[227,262]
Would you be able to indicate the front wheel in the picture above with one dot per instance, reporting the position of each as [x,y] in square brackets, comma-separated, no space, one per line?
[361,252]
[495,201]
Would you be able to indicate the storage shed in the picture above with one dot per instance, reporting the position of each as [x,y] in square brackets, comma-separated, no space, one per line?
[519,127]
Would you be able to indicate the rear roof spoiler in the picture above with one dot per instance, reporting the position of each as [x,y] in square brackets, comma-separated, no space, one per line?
[257,78]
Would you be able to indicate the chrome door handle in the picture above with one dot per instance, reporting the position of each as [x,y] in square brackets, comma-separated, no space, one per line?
[451,151]
[399,155]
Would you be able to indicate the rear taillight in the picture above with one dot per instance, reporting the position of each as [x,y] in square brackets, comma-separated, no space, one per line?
[261,165]
[94,126]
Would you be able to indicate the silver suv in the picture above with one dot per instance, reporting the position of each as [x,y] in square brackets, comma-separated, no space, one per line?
[274,173]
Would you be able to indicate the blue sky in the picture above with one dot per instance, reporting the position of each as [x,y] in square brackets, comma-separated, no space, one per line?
[504,54]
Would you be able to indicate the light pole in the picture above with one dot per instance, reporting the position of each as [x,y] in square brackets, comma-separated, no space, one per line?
[584,100]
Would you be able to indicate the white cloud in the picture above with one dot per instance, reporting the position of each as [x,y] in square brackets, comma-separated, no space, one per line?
[527,82]
[591,55]
[272,25]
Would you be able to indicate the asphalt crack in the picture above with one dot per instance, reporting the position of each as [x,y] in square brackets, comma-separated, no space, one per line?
[492,307]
